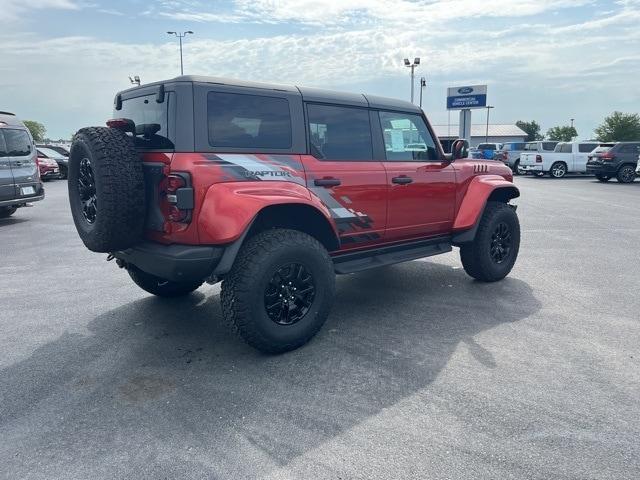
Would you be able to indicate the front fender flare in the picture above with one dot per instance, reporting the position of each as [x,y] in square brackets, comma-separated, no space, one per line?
[481,189]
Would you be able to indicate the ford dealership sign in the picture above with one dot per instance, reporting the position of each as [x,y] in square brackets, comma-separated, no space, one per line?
[462,98]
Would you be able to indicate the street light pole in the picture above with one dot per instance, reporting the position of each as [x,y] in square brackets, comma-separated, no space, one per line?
[572,122]
[412,65]
[486,133]
[423,83]
[180,36]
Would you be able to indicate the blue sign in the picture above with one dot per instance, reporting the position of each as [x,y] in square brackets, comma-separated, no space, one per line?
[462,98]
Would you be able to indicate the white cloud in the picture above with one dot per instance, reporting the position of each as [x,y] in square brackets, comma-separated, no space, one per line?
[15,10]
[364,12]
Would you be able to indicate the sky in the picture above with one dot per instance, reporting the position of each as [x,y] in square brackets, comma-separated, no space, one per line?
[63,60]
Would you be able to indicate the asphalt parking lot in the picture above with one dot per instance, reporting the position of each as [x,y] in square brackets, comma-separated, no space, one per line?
[420,372]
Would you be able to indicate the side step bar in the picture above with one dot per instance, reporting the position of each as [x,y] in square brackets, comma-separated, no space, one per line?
[378,257]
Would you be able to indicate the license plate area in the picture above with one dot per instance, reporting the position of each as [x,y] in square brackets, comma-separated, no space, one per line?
[27,190]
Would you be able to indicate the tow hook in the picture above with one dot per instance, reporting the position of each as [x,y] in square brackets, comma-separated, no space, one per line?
[110,257]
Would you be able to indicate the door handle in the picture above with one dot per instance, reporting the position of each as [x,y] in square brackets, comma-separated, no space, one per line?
[402,180]
[326,182]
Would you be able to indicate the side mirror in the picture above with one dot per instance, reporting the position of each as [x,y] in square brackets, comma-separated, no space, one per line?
[459,149]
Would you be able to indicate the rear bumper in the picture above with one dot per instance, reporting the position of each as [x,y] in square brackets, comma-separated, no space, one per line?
[21,200]
[50,174]
[602,168]
[531,168]
[173,262]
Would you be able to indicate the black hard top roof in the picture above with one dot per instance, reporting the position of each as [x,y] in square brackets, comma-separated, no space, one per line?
[308,93]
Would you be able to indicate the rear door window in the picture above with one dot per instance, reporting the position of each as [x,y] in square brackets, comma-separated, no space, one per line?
[150,119]
[3,146]
[563,148]
[586,147]
[18,142]
[248,121]
[339,133]
[629,148]
[407,138]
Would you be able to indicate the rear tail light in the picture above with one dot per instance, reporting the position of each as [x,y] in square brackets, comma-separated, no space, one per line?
[538,158]
[608,157]
[178,195]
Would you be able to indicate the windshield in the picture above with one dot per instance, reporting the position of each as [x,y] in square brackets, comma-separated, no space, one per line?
[487,146]
[47,152]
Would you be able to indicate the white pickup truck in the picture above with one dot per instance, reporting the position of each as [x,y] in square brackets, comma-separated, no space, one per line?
[567,157]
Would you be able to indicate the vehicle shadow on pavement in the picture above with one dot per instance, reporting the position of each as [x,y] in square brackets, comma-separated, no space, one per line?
[163,389]
[11,221]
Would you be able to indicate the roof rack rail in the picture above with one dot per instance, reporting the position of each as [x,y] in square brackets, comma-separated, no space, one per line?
[7,113]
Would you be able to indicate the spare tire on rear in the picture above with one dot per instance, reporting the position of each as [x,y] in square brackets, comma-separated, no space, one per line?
[106,189]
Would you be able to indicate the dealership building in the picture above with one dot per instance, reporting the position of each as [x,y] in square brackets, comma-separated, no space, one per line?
[498,133]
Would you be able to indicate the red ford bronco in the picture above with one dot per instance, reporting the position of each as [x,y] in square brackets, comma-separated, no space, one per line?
[272,190]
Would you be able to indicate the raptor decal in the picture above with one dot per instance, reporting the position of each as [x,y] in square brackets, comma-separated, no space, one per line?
[348,220]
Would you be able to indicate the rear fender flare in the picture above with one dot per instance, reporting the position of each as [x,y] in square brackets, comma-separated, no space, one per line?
[229,209]
[481,190]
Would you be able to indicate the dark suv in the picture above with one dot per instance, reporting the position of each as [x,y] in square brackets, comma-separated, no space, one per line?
[273,190]
[618,161]
[19,177]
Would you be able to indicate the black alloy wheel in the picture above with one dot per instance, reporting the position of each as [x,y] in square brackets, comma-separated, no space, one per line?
[87,190]
[626,174]
[501,240]
[289,294]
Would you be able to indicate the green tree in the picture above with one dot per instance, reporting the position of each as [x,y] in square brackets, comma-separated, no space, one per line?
[562,134]
[532,129]
[619,127]
[37,130]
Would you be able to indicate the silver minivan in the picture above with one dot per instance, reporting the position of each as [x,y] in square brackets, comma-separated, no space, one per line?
[19,176]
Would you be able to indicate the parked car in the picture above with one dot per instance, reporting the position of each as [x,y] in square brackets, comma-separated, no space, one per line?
[618,161]
[638,166]
[274,189]
[60,160]
[489,149]
[510,155]
[59,154]
[567,157]
[476,154]
[48,168]
[19,178]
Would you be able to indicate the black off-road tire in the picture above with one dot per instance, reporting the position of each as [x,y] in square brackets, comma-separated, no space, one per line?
[245,287]
[626,173]
[159,286]
[118,221]
[476,256]
[6,212]
[602,178]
